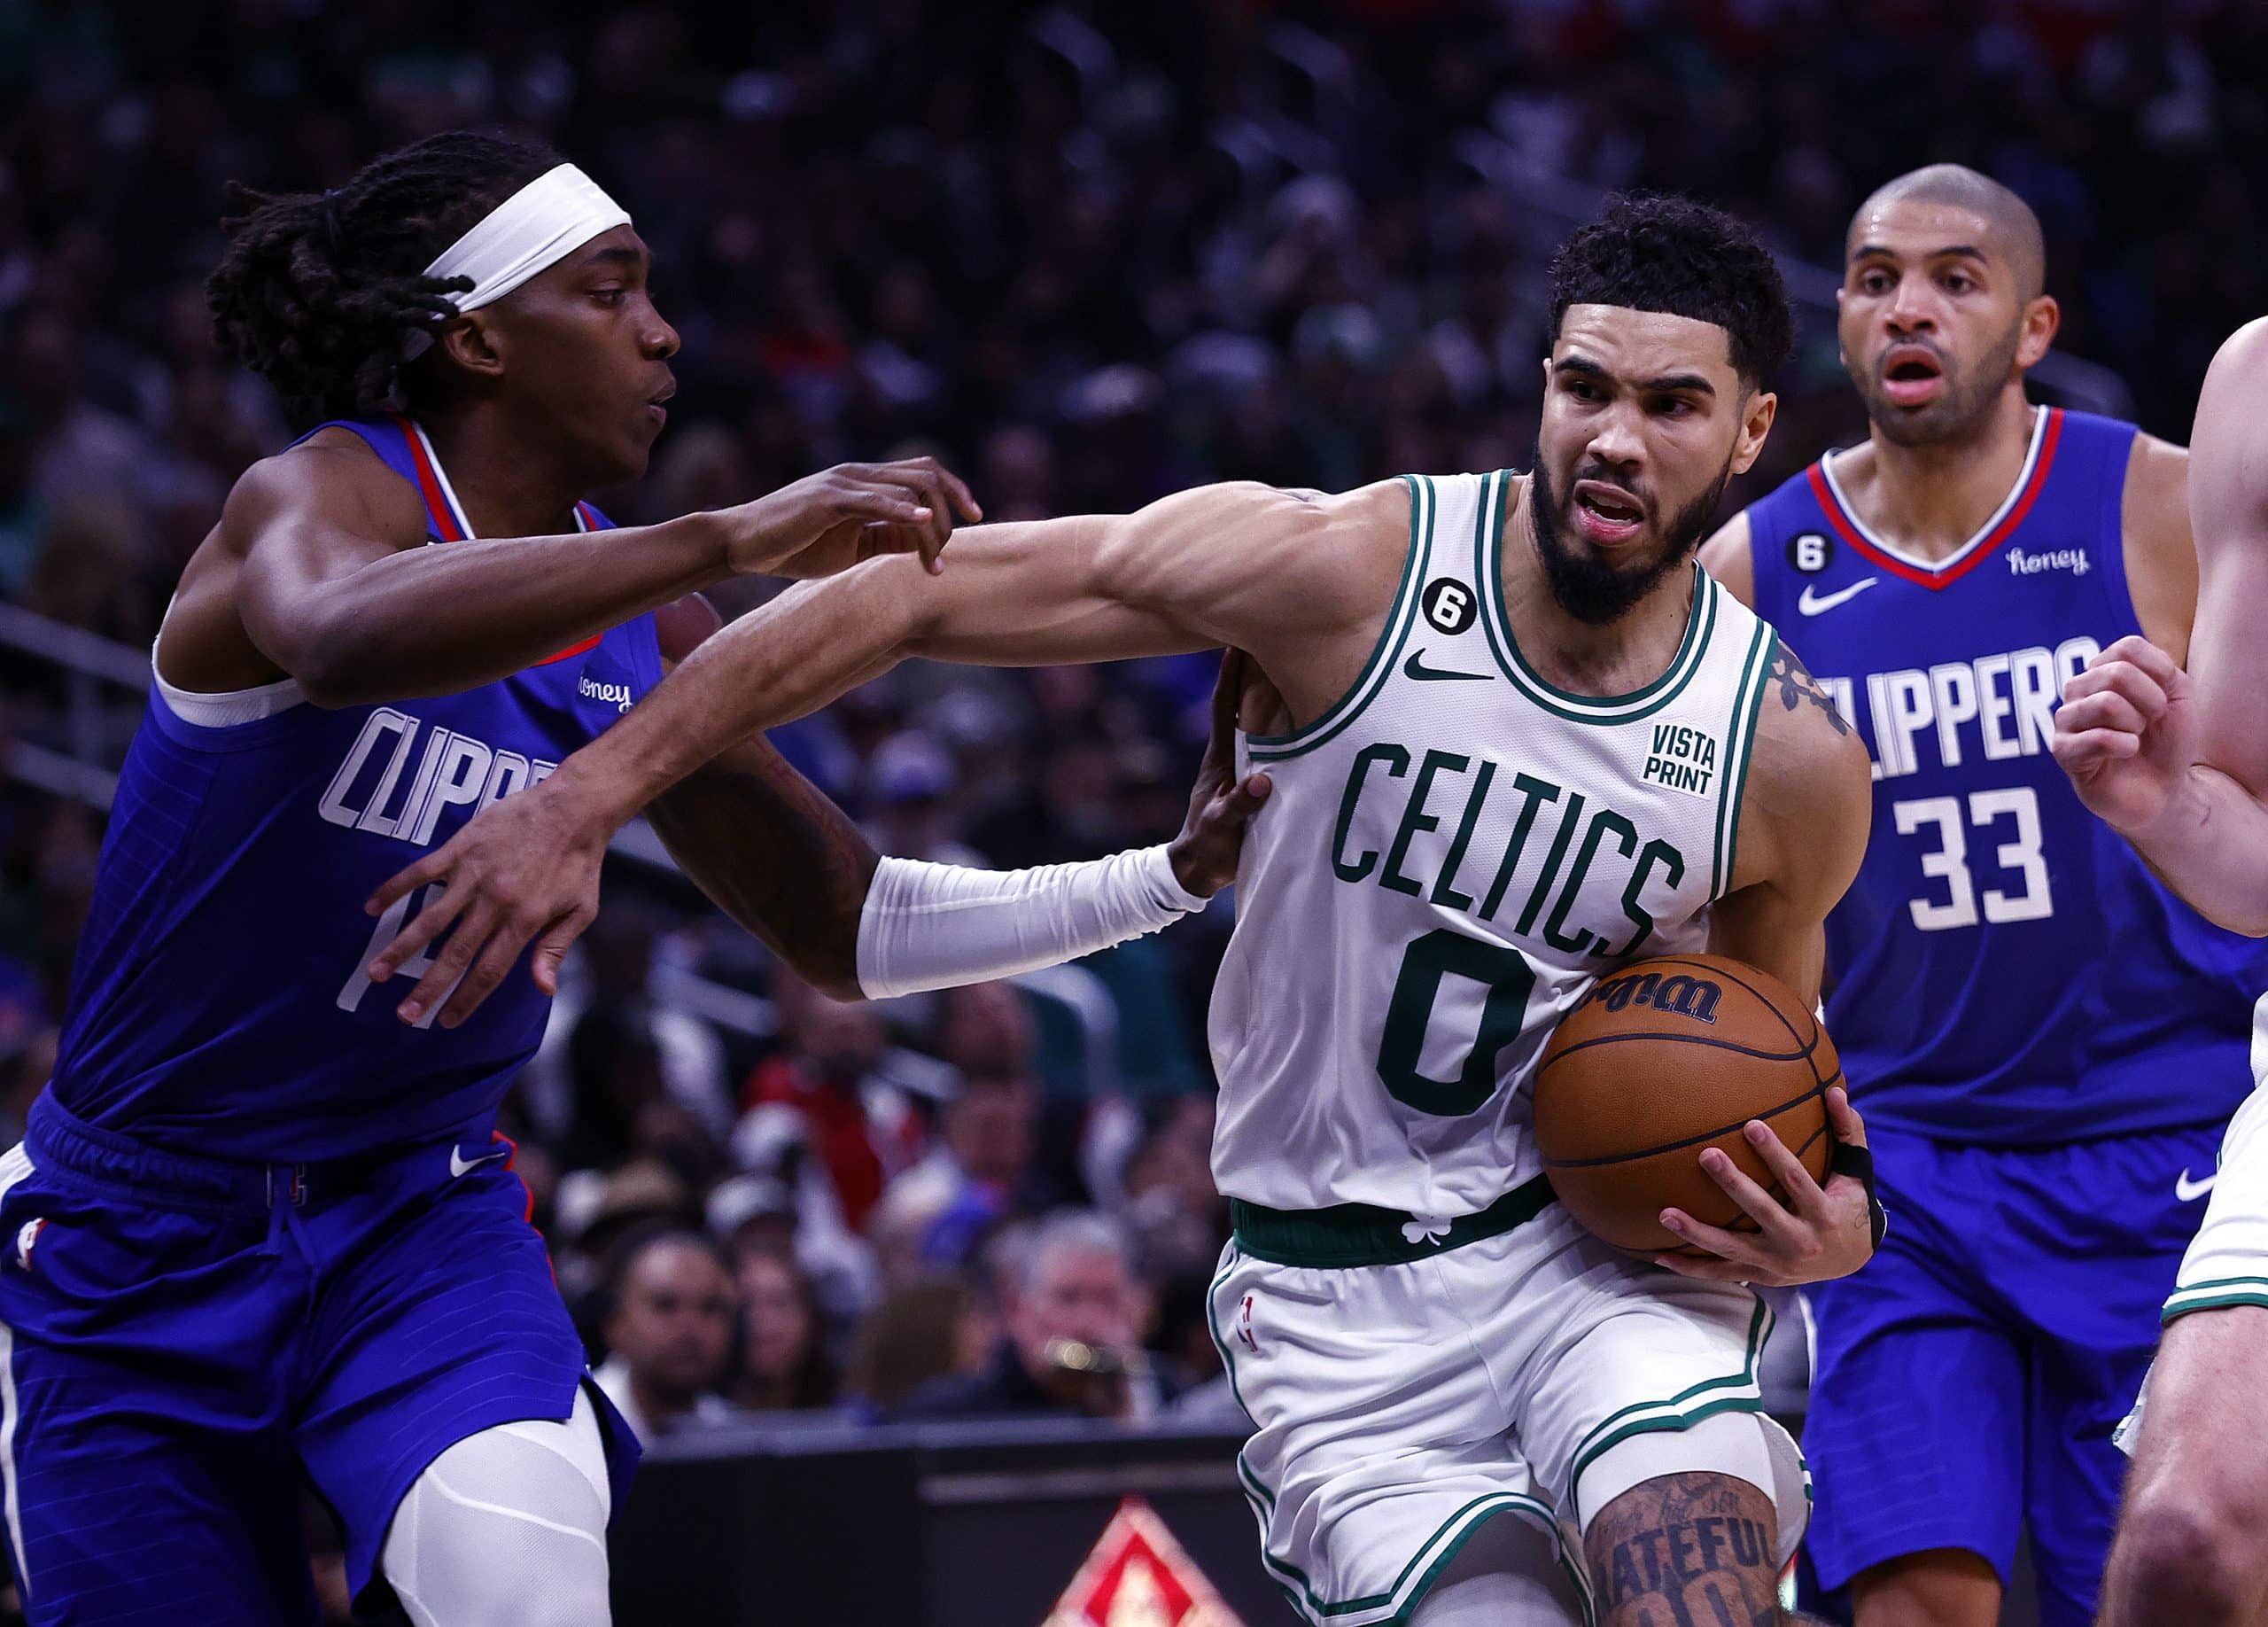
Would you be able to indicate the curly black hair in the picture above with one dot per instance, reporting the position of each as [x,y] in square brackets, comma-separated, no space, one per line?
[325,295]
[1649,253]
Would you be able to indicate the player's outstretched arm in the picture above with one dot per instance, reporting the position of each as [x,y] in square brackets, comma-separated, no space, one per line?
[1238,563]
[2177,762]
[775,853]
[1803,832]
[324,571]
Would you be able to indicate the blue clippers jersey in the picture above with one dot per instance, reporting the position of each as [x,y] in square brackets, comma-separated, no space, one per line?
[219,1003]
[2004,969]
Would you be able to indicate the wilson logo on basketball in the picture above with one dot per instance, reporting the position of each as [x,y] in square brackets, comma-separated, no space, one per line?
[1684,996]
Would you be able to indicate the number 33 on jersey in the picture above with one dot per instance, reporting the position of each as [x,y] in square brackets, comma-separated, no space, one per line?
[2003,970]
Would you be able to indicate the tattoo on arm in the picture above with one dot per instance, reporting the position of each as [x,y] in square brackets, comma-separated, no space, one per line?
[1797,683]
[777,856]
[1685,1551]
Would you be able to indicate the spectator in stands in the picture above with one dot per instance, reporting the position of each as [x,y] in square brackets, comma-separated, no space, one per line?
[922,1331]
[759,1214]
[784,1364]
[669,1331]
[977,1176]
[1073,1313]
[834,1090]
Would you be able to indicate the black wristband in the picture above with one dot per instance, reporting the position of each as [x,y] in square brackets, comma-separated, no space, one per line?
[1849,1158]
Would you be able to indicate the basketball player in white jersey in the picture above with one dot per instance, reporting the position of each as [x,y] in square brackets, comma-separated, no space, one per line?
[2177,762]
[1516,736]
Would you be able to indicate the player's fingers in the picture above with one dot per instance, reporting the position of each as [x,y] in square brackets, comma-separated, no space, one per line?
[2142,653]
[2094,746]
[964,501]
[2107,710]
[1770,1215]
[449,965]
[1844,1119]
[2110,709]
[551,948]
[1739,1247]
[431,868]
[1244,797]
[1804,1194]
[501,953]
[921,478]
[2143,692]
[885,505]
[421,929]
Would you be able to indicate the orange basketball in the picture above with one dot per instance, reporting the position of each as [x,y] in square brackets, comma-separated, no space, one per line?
[1662,1059]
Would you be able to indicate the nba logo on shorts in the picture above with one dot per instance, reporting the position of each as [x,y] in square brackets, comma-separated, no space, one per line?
[26,1236]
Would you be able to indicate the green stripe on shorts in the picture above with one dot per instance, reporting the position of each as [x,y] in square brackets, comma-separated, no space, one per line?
[2215,1295]
[1681,1410]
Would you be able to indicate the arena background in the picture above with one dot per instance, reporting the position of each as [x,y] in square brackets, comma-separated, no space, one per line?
[1089,254]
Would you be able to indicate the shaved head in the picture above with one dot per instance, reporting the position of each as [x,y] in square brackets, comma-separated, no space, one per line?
[2012,227]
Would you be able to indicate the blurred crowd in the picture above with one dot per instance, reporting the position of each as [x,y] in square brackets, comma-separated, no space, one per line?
[1089,254]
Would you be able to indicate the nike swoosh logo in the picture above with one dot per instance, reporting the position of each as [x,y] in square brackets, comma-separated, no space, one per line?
[2185,1190]
[1813,603]
[459,1164]
[1417,669]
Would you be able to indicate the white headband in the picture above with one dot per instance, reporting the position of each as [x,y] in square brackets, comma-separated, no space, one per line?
[528,233]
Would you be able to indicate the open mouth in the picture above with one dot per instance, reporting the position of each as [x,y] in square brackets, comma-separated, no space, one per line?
[1607,514]
[1911,375]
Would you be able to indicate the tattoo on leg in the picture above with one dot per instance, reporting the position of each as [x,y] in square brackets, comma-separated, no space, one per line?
[1685,1551]
[1797,683]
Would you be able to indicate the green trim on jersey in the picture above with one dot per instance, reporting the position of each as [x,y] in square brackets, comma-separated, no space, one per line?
[2214,1295]
[1628,708]
[1424,503]
[1740,746]
[1681,1410]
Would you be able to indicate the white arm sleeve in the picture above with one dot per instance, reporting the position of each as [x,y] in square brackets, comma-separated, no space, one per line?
[933,926]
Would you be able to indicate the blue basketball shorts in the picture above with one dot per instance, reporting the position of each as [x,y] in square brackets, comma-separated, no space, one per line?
[1968,1381]
[185,1344]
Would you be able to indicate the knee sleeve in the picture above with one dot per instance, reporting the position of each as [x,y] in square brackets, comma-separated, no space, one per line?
[508,1529]
[1746,1445]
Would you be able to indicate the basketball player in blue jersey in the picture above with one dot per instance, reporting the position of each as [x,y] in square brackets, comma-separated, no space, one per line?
[261,1230]
[2045,1044]
[2177,762]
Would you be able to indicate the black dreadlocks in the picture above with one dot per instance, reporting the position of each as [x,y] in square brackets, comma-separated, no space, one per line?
[324,294]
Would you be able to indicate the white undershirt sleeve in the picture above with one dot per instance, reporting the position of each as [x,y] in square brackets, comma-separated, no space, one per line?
[933,926]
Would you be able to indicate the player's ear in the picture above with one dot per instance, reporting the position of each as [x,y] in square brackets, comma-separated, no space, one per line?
[2041,318]
[1757,413]
[470,343]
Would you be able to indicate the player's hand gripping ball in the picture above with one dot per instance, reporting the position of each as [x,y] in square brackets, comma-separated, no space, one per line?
[1662,1059]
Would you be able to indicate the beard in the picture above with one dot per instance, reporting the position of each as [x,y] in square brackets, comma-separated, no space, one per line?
[1591,590]
[1958,415]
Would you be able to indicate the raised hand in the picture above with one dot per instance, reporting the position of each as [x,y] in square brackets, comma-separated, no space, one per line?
[2126,733]
[1204,855]
[1817,1234]
[841,516]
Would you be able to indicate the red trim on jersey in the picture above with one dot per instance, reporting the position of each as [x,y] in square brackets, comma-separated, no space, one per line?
[436,506]
[529,1214]
[1847,528]
[429,483]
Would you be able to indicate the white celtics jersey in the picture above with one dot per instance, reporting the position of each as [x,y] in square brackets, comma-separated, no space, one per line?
[1452,854]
